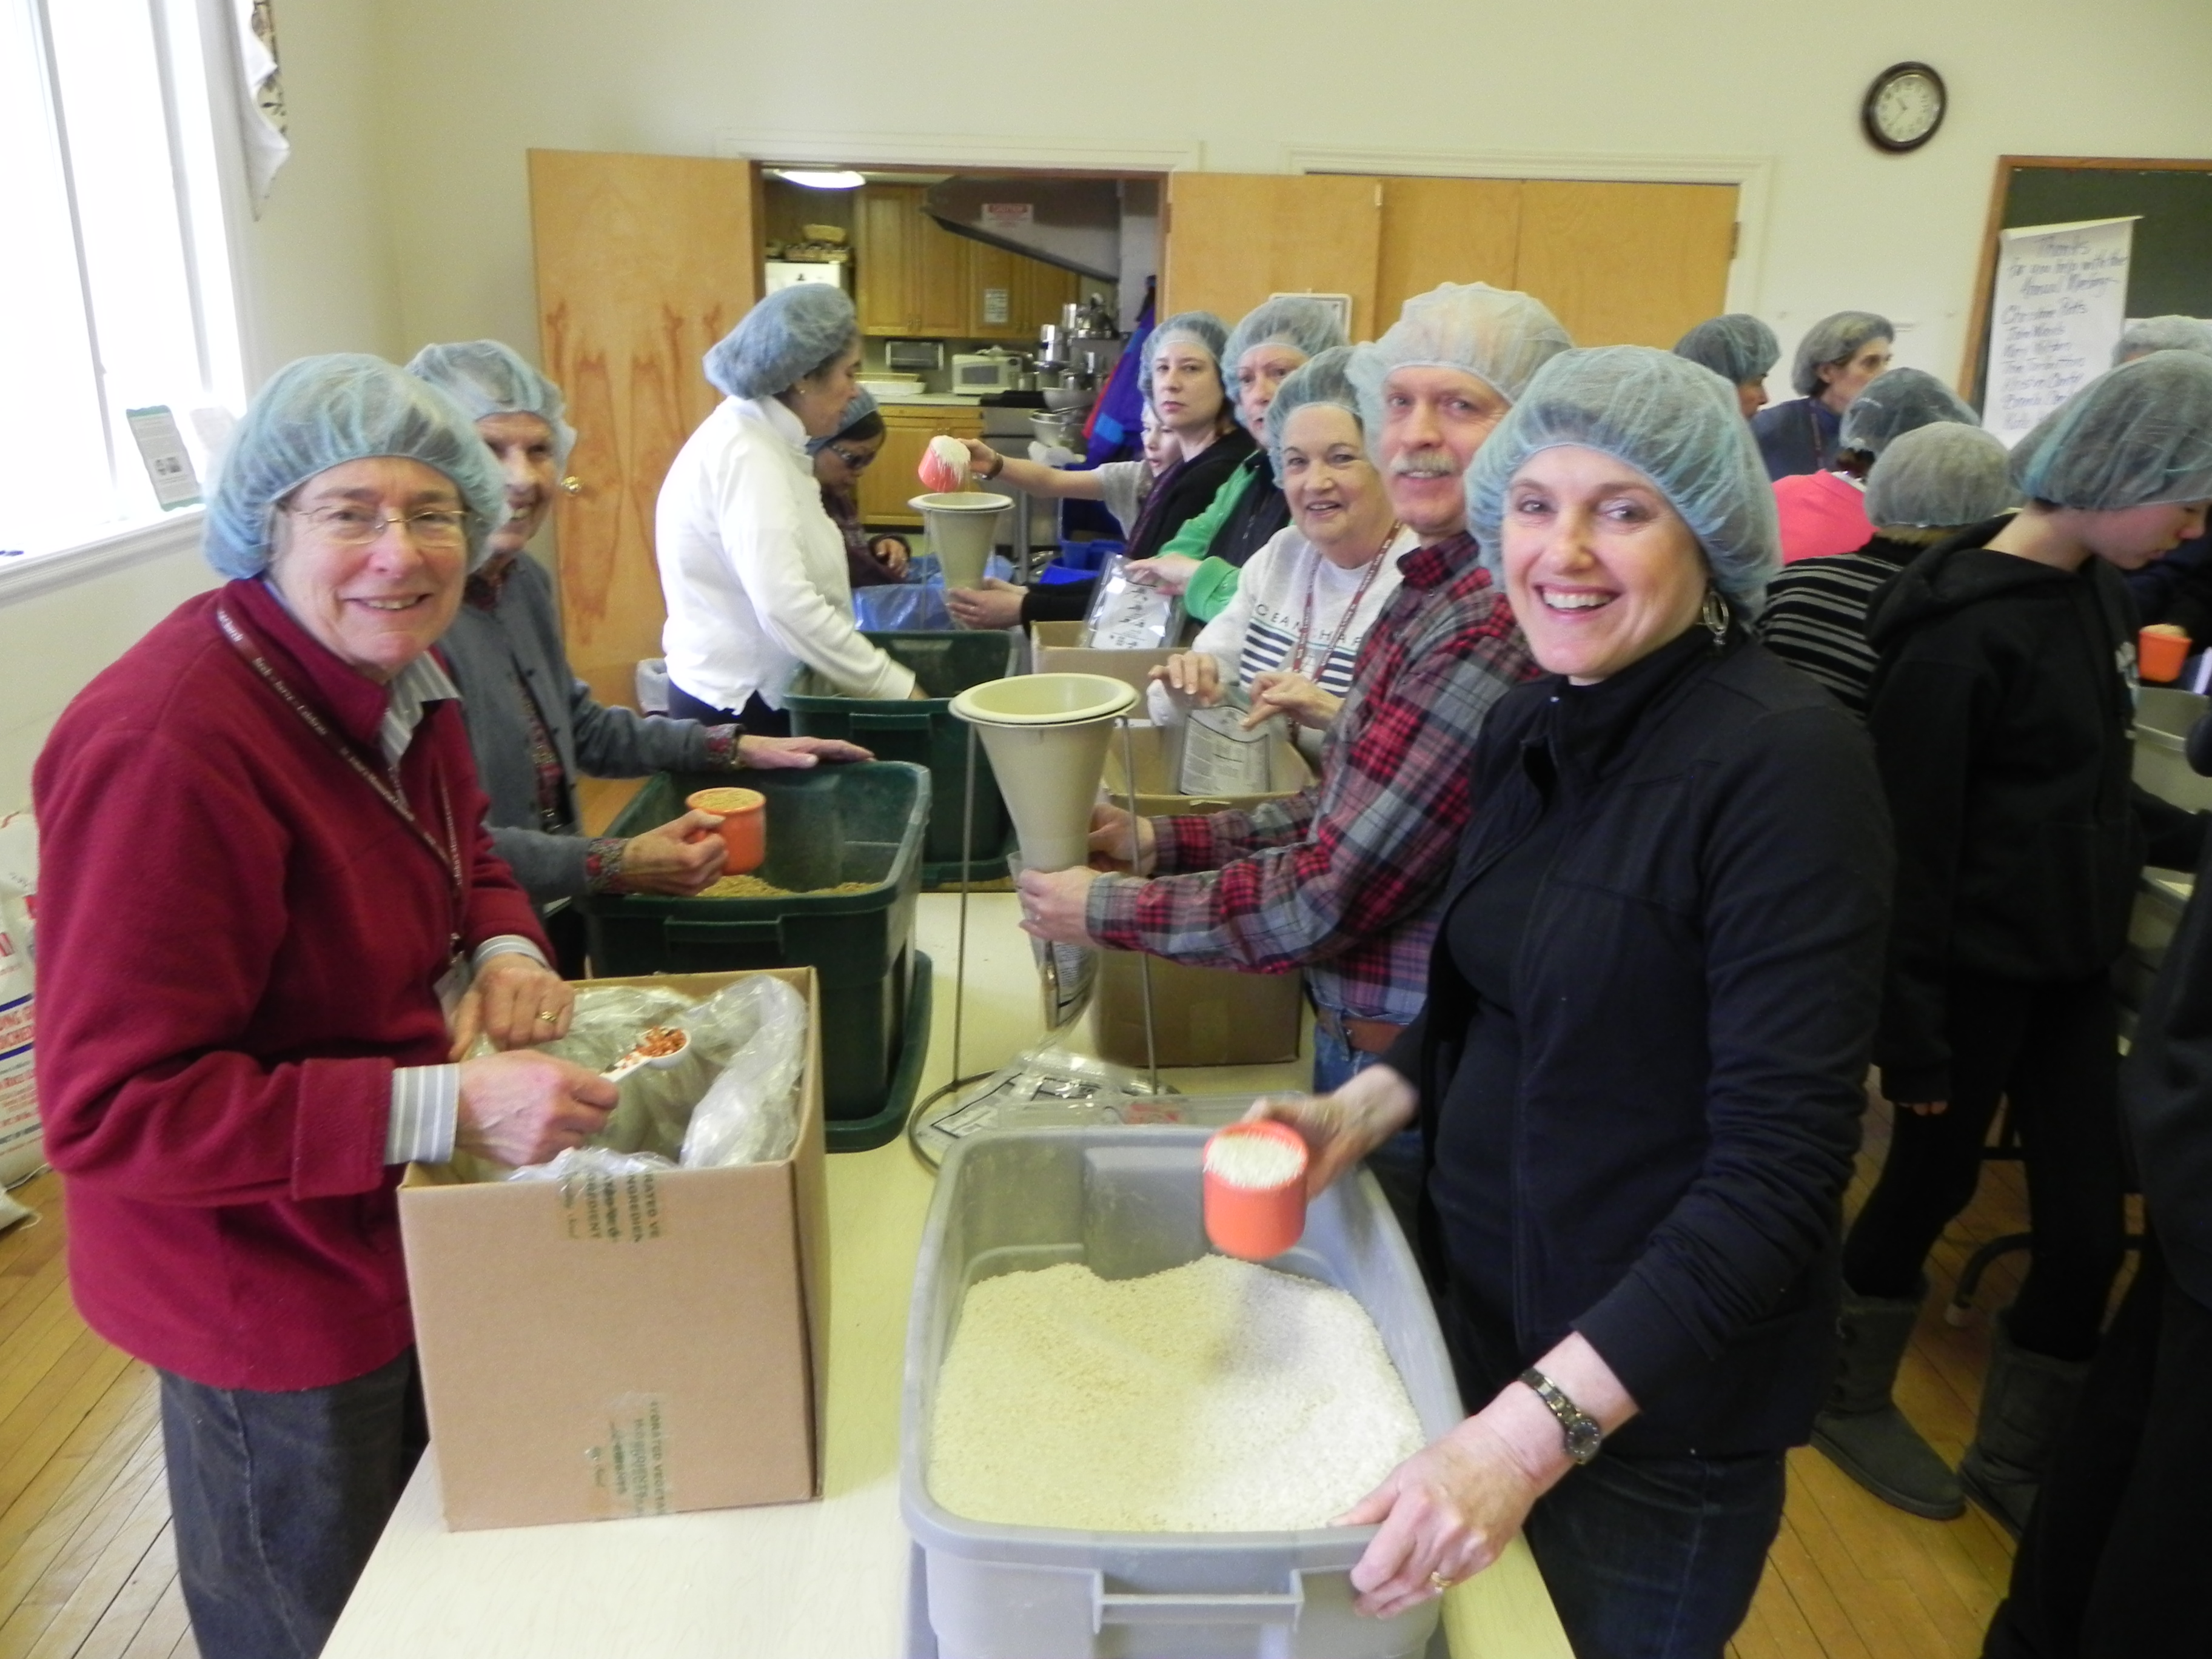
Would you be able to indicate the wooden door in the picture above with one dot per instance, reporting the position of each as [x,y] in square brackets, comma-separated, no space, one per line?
[643,262]
[1229,239]
[1445,230]
[1626,264]
[883,260]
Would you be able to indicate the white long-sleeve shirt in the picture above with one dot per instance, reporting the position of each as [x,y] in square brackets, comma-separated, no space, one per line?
[753,569]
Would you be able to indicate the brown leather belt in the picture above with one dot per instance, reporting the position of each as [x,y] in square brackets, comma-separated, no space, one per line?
[1362,1037]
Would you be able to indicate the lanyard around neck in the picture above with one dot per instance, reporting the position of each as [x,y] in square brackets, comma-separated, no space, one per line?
[387,789]
[1343,622]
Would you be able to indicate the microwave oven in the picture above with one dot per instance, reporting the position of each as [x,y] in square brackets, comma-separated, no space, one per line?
[984,372]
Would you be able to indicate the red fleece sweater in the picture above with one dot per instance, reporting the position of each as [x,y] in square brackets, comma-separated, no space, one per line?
[238,942]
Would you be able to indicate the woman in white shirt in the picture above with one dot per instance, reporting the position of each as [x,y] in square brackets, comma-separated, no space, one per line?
[752,567]
[1307,600]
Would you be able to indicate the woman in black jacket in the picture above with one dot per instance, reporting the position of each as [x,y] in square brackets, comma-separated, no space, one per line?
[1639,1075]
[2000,716]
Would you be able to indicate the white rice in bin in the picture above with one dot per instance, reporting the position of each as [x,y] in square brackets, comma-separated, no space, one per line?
[1220,1396]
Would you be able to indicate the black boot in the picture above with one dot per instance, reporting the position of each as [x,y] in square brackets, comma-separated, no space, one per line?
[2025,1401]
[1860,1430]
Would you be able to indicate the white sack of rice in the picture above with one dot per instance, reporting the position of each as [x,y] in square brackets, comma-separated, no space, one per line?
[1220,1396]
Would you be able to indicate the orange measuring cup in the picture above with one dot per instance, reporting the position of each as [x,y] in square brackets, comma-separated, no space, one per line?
[2161,652]
[743,813]
[1254,1177]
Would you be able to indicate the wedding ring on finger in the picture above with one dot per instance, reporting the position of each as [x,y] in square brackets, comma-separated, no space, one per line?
[550,1019]
[1439,1583]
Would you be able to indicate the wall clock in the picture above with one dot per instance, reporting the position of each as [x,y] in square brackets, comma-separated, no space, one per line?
[1903,106]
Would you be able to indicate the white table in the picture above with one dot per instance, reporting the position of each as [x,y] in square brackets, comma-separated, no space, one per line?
[800,1580]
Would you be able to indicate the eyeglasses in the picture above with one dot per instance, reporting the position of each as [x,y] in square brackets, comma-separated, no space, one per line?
[434,527]
[858,462]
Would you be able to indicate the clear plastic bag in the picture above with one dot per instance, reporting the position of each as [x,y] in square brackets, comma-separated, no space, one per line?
[750,1114]
[593,1161]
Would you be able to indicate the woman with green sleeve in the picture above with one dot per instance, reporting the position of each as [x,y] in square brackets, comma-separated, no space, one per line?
[1203,560]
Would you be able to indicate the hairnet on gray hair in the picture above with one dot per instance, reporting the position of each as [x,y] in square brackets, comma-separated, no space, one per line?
[1739,347]
[1307,326]
[1322,380]
[862,406]
[1943,475]
[1500,336]
[782,340]
[1895,403]
[321,412]
[1676,422]
[2135,436]
[487,377]
[1833,340]
[2168,333]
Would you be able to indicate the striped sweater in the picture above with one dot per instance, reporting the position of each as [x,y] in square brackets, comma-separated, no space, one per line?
[1816,616]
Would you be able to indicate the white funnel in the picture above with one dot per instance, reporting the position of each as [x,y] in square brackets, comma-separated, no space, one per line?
[962,525]
[1047,736]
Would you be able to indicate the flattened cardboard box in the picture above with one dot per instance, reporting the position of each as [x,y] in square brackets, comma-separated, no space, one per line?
[1057,648]
[1200,1015]
[632,1346]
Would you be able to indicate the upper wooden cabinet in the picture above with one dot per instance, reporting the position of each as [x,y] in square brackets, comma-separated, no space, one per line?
[916,279]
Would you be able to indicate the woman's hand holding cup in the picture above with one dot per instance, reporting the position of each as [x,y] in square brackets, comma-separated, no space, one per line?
[1341,1128]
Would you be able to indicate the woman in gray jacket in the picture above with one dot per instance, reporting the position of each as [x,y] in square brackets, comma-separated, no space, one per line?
[534,726]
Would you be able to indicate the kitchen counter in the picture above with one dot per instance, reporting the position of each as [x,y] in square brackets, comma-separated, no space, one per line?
[795,1581]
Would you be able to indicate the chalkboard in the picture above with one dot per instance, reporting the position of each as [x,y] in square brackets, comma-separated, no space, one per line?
[2172,269]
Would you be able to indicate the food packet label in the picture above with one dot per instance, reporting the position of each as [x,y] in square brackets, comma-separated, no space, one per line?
[1219,757]
[629,1463]
[619,1209]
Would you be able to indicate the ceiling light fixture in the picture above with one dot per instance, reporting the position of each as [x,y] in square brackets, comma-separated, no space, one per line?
[819,178]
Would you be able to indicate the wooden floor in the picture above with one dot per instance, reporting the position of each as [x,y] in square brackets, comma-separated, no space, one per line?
[87,1567]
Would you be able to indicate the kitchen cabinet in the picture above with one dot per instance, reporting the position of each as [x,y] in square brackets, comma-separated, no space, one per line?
[917,280]
[1033,293]
[890,481]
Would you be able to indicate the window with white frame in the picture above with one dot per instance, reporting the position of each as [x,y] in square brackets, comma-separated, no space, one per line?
[115,290]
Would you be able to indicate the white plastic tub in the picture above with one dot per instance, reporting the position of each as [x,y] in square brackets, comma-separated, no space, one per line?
[1125,1201]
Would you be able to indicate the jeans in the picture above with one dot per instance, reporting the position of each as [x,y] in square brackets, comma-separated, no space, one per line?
[2054,1051]
[1646,1557]
[757,717]
[2110,1565]
[278,1498]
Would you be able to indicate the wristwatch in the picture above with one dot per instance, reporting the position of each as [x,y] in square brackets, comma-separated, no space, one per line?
[1583,1436]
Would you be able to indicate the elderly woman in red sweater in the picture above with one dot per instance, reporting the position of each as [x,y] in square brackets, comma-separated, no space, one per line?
[272,925]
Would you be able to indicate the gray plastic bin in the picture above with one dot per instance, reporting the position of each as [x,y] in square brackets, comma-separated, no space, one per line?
[1125,1201]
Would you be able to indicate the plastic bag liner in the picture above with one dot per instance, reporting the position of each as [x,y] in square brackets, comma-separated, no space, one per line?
[731,1098]
[916,603]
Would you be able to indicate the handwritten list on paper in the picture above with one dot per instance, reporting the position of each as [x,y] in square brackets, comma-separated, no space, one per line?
[2061,301]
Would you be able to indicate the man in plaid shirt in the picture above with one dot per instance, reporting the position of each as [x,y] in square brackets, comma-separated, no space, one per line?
[1345,878]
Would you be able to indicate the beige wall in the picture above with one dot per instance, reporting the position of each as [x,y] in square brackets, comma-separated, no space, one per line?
[1244,82]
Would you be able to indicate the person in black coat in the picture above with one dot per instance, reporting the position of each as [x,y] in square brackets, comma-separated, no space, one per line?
[1638,1075]
[2001,714]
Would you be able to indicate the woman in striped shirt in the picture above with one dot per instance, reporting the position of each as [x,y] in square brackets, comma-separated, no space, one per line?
[1307,599]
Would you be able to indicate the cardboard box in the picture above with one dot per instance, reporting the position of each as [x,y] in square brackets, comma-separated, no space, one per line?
[1200,1015]
[634,1345]
[1149,747]
[1057,648]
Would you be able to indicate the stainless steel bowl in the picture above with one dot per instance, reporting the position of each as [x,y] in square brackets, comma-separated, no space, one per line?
[1069,398]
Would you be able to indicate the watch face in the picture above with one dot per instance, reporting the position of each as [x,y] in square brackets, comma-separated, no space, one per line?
[1904,106]
[1583,1439]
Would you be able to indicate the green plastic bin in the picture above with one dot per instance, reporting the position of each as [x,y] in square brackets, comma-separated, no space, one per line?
[925,732]
[827,825]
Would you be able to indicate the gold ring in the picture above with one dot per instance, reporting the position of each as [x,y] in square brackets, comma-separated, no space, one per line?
[550,1019]
[1439,1583]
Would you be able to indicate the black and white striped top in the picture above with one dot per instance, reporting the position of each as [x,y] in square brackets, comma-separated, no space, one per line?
[1816,616]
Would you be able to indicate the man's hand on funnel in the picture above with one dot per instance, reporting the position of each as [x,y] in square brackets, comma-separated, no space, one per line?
[1110,848]
[1053,902]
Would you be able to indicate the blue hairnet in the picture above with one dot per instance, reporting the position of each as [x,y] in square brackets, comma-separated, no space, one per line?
[1199,328]
[1944,475]
[2168,333]
[862,406]
[1322,379]
[1834,339]
[486,378]
[1739,347]
[1307,326]
[782,340]
[1896,402]
[1676,422]
[2135,436]
[1499,337]
[316,413]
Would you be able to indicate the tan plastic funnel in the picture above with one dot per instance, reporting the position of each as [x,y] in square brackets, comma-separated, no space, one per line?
[963,527]
[1047,736]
